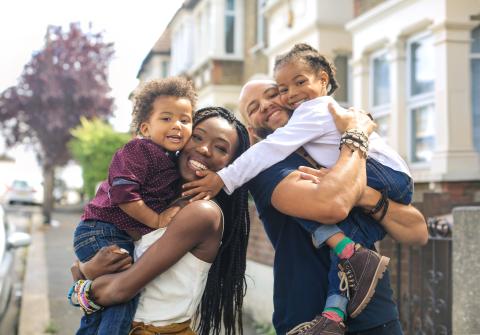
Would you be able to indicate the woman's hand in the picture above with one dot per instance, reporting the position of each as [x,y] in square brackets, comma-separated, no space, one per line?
[107,260]
[351,118]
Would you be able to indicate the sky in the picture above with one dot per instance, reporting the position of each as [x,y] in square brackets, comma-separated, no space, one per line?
[133,27]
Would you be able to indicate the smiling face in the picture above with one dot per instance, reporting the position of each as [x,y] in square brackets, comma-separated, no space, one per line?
[298,83]
[170,122]
[261,107]
[212,146]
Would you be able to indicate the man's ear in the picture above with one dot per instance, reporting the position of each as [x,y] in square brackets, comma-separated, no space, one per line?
[252,136]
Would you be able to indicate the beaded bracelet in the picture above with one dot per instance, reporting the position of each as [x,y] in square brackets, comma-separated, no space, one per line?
[355,139]
[79,296]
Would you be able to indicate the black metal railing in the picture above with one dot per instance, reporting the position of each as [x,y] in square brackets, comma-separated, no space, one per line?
[423,281]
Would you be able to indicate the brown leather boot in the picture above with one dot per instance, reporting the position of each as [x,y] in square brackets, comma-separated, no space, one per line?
[319,326]
[359,277]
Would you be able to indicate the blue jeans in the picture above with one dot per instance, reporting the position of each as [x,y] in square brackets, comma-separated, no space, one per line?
[390,328]
[89,237]
[359,227]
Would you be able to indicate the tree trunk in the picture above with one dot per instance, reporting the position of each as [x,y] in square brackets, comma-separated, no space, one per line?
[48,179]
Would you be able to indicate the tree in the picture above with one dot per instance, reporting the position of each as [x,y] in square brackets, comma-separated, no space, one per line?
[93,145]
[64,81]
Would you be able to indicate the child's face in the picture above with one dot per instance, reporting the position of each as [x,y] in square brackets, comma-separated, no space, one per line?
[297,83]
[170,122]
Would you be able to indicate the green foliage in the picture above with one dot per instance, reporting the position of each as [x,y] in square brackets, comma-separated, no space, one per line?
[93,145]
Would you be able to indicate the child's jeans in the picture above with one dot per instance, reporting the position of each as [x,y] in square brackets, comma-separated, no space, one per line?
[358,226]
[89,237]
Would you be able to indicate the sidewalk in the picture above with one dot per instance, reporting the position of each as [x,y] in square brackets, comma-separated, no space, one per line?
[47,278]
[44,305]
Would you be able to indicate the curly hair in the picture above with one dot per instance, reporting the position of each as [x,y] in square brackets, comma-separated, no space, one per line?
[315,60]
[145,97]
[225,288]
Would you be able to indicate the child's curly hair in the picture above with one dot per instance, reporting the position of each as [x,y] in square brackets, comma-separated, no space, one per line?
[144,98]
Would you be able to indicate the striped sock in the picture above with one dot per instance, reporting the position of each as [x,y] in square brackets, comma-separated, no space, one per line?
[344,249]
[334,314]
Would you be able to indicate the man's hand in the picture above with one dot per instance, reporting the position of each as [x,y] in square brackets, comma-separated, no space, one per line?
[205,188]
[167,215]
[314,175]
[107,260]
[353,118]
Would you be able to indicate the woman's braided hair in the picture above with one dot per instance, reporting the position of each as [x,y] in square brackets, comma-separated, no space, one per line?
[225,288]
[315,60]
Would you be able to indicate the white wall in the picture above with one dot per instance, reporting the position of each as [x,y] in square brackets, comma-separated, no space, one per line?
[390,26]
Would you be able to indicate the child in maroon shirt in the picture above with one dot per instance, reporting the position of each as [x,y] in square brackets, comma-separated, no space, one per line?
[142,181]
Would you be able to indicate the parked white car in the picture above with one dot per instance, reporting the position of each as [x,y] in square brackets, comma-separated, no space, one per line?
[21,192]
[9,283]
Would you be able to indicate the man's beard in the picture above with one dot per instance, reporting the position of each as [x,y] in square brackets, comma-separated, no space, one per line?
[262,132]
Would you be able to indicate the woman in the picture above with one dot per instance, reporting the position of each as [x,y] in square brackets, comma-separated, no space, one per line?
[202,238]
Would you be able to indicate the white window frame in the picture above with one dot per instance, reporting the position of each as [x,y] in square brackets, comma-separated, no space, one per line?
[416,101]
[226,13]
[384,110]
[260,31]
[349,77]
[474,56]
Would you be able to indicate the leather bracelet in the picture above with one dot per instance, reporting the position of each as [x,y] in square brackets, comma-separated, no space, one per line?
[380,203]
[384,211]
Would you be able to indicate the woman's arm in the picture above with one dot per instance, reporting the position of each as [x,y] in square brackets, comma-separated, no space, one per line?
[196,227]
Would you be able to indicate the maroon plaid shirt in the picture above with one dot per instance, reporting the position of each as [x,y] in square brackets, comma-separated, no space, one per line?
[140,170]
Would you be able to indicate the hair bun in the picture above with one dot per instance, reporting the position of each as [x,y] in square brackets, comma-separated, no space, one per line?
[302,47]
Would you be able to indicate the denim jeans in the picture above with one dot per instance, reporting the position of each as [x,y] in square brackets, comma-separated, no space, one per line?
[89,237]
[390,328]
[359,227]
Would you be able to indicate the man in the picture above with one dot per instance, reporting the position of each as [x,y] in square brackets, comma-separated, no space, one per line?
[283,198]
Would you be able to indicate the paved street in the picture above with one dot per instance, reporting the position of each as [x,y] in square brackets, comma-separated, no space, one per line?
[52,255]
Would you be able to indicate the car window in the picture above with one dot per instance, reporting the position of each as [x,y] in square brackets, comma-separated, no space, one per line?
[20,184]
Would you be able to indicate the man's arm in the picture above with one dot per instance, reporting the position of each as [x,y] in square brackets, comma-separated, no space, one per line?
[404,223]
[331,199]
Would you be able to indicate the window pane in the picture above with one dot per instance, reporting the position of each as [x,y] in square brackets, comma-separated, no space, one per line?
[381,81]
[341,63]
[476,40]
[422,66]
[423,135]
[476,102]
[230,4]
[382,126]
[165,69]
[229,34]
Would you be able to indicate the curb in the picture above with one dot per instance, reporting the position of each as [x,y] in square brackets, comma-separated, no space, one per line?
[35,309]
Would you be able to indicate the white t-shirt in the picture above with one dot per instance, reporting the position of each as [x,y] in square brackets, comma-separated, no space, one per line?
[312,127]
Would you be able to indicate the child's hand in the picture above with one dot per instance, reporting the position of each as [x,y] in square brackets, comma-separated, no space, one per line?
[205,188]
[167,215]
[353,118]
[314,175]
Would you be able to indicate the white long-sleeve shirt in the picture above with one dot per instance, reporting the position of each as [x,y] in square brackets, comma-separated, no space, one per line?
[312,127]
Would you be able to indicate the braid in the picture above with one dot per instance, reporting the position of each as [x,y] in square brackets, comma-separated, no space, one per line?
[314,59]
[225,287]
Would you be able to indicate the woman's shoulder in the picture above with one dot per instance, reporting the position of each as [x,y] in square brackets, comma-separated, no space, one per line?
[206,213]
